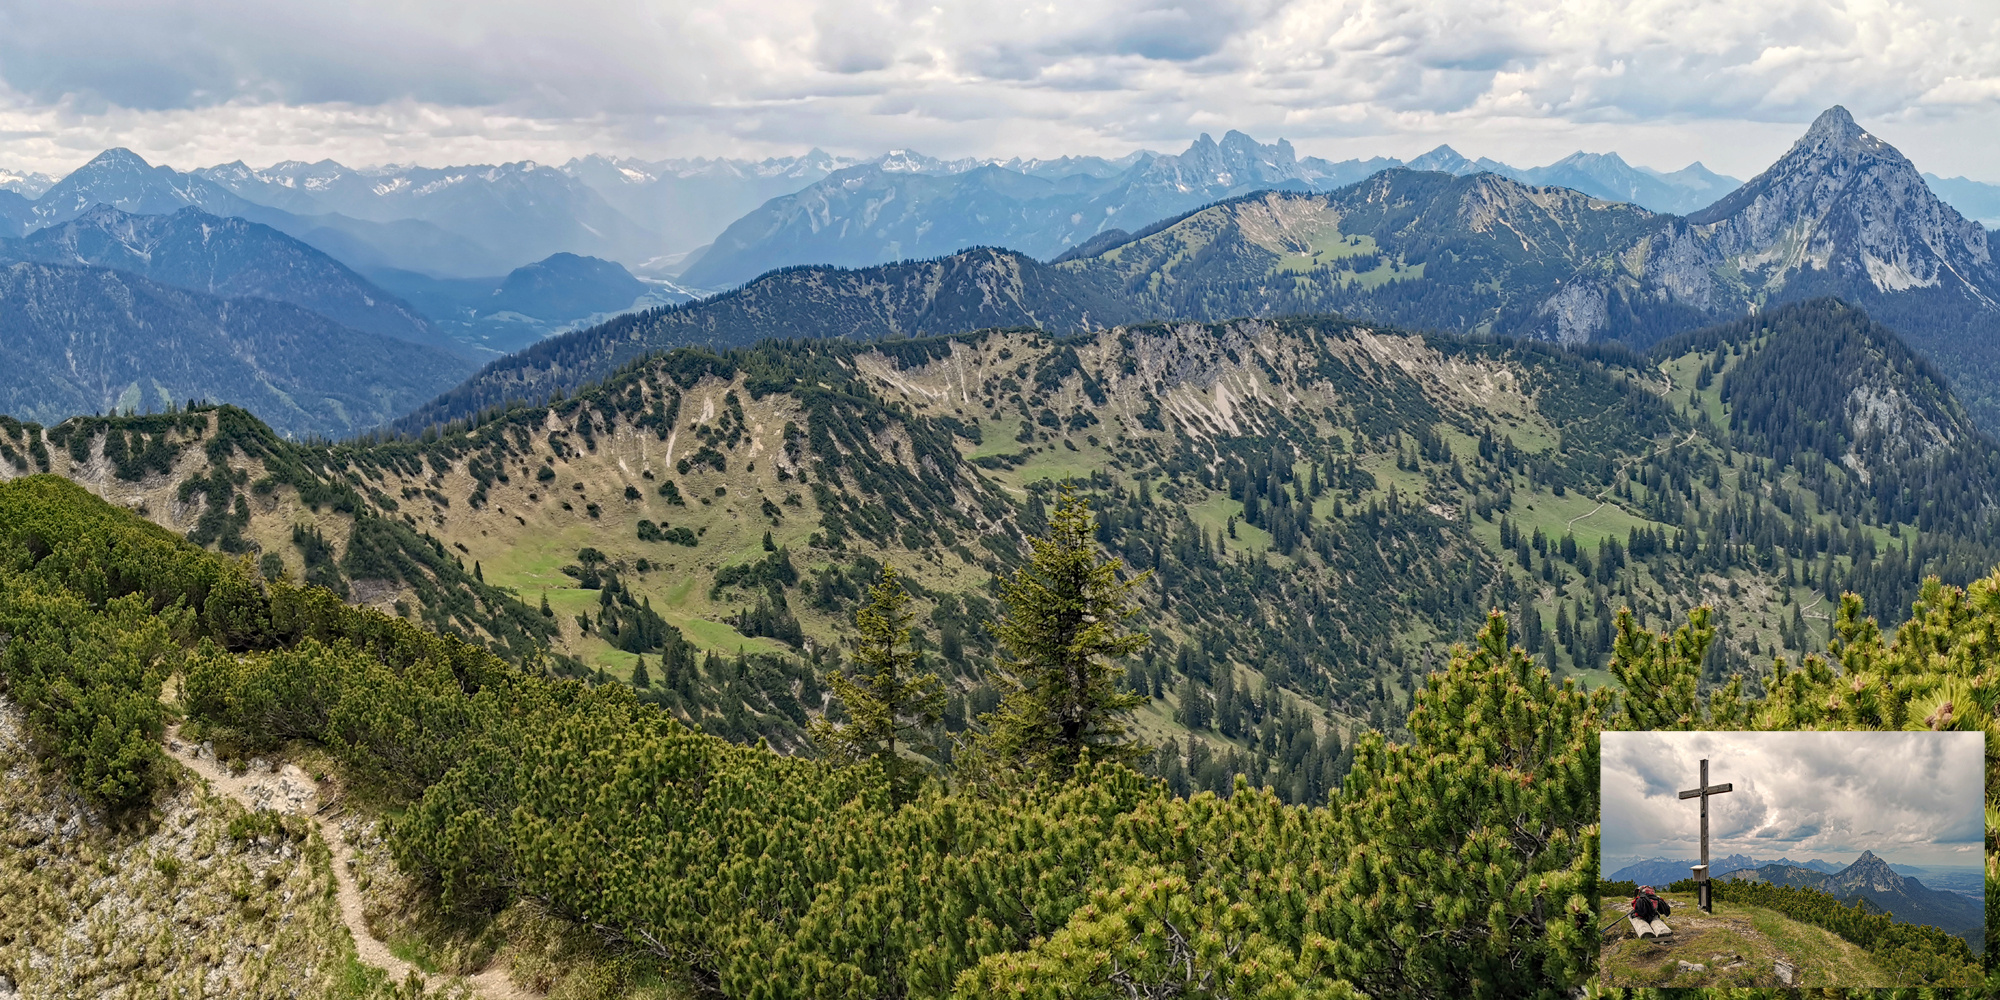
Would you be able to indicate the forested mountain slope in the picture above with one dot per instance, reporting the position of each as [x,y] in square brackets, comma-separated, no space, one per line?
[123,180]
[1842,213]
[77,339]
[966,291]
[226,257]
[1423,249]
[571,838]
[1904,897]
[887,210]
[1322,505]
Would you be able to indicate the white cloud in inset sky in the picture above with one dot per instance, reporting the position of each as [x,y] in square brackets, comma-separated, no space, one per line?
[1661,81]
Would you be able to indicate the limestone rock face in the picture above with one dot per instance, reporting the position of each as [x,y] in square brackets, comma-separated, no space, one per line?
[1844,201]
[1841,213]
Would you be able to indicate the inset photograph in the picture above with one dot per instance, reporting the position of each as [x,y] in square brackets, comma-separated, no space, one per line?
[1739,859]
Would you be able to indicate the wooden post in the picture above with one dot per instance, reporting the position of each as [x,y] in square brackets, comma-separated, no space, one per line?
[1701,871]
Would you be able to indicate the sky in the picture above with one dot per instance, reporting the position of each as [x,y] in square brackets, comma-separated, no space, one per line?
[1912,798]
[1663,82]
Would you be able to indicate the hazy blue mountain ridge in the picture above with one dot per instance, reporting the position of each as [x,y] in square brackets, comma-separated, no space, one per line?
[76,339]
[228,257]
[519,212]
[688,201]
[874,214]
[1973,199]
[1841,214]
[512,311]
[15,211]
[29,185]
[121,179]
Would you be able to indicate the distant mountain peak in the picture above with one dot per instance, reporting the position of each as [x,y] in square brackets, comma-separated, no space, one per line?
[1593,160]
[119,155]
[1234,141]
[1835,135]
[1844,207]
[1443,158]
[1836,124]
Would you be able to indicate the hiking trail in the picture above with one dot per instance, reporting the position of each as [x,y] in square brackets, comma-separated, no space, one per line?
[287,789]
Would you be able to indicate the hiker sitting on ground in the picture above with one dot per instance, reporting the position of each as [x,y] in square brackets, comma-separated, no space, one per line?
[1648,906]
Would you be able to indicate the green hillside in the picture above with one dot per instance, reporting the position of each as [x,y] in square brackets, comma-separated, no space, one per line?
[1737,946]
[554,834]
[1322,506]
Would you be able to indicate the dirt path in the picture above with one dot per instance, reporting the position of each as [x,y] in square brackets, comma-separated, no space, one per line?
[1579,517]
[288,790]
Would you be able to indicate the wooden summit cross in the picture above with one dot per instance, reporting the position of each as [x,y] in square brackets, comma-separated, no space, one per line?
[1701,870]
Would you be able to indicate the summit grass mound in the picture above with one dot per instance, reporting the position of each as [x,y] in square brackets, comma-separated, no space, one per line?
[1736,946]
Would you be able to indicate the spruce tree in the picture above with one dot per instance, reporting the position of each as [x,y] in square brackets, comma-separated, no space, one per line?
[1064,625]
[889,705]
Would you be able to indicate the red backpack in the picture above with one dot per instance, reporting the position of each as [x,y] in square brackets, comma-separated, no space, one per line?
[1647,906]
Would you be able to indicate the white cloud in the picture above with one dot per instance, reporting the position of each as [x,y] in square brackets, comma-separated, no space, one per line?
[1662,81]
[1913,798]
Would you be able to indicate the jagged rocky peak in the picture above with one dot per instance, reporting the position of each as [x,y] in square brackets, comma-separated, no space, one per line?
[120,157]
[1844,201]
[1868,871]
[1443,158]
[1836,130]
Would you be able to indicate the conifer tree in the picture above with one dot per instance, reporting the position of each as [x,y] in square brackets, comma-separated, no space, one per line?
[889,705]
[1064,625]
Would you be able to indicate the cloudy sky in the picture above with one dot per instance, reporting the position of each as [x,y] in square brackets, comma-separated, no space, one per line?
[195,82]
[1912,798]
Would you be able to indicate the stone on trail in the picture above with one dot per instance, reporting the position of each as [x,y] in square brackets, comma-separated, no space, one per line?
[1786,971]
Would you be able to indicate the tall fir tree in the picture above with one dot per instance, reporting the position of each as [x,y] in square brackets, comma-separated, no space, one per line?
[890,706]
[1065,625]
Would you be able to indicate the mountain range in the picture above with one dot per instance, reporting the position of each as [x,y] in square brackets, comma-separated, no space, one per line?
[1600,175]
[229,257]
[650,214]
[873,213]
[1467,247]
[658,217]
[28,186]
[514,212]
[234,259]
[1664,871]
[80,340]
[1872,879]
[1319,501]
[123,180]
[908,207]
[510,312]
[1841,213]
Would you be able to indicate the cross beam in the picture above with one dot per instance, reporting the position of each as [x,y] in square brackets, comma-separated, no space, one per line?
[1703,792]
